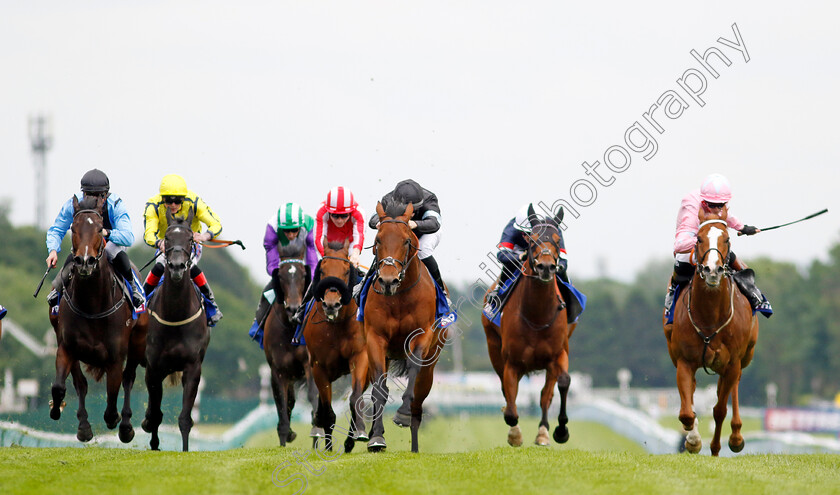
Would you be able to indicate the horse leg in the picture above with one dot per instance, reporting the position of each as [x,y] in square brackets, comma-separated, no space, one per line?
[494,349]
[189,380]
[546,395]
[114,374]
[422,386]
[324,414]
[129,375]
[154,416]
[510,386]
[378,393]
[84,433]
[736,440]
[402,417]
[724,389]
[359,371]
[561,433]
[280,402]
[313,393]
[291,400]
[63,365]
[685,385]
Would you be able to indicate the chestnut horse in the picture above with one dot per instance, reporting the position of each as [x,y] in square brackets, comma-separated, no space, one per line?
[714,328]
[336,343]
[94,326]
[534,333]
[399,320]
[178,335]
[289,363]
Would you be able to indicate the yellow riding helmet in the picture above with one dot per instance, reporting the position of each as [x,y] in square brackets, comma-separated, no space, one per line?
[173,185]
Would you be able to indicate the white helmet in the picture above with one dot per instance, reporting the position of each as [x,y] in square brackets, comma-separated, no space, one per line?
[522,222]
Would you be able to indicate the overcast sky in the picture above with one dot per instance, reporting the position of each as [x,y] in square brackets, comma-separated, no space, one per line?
[490,104]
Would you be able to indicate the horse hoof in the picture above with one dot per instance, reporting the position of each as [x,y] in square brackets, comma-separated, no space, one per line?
[402,420]
[349,443]
[84,434]
[126,434]
[112,424]
[542,437]
[146,426]
[376,444]
[737,447]
[693,447]
[55,413]
[515,436]
[317,432]
[561,436]
[361,436]
[291,436]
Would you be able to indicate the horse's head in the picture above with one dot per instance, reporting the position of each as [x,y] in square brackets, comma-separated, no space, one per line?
[178,242]
[395,245]
[333,290]
[292,275]
[712,249]
[544,245]
[86,230]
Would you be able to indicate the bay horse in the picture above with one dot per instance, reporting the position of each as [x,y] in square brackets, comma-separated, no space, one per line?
[399,319]
[714,328]
[534,333]
[336,343]
[94,326]
[289,363]
[177,335]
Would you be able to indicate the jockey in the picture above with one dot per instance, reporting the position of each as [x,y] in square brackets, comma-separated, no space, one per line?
[339,219]
[175,197]
[714,195]
[290,226]
[116,230]
[425,222]
[513,247]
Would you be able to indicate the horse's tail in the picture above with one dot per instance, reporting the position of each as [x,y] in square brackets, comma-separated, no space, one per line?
[398,367]
[96,372]
[175,378]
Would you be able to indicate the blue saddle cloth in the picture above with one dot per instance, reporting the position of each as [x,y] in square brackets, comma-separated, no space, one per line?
[299,327]
[575,300]
[3,312]
[444,314]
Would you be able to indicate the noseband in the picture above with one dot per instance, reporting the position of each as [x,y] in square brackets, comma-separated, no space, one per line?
[726,270]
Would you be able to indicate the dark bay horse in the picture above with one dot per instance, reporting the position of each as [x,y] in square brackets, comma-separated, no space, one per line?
[534,333]
[400,322]
[713,328]
[289,363]
[336,343]
[178,335]
[94,326]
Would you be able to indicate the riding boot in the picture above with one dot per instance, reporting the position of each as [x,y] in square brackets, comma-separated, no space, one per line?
[262,312]
[208,293]
[60,282]
[357,289]
[434,271]
[508,270]
[744,278]
[153,278]
[123,266]
[682,274]
[297,318]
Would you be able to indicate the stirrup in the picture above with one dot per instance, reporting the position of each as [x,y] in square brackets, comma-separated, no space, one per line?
[52,298]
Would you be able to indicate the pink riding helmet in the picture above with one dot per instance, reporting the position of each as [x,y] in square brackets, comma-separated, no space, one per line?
[715,189]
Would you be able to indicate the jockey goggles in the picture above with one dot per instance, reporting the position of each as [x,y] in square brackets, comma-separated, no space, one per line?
[173,200]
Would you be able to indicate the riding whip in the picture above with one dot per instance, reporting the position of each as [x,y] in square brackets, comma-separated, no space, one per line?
[150,261]
[224,243]
[41,282]
[797,221]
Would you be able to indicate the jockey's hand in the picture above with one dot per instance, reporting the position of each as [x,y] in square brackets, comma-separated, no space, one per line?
[354,257]
[105,233]
[160,245]
[412,224]
[52,259]
[749,230]
[201,237]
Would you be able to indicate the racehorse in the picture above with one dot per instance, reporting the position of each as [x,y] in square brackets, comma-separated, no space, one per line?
[534,333]
[336,343]
[178,335]
[289,363]
[399,321]
[713,328]
[94,326]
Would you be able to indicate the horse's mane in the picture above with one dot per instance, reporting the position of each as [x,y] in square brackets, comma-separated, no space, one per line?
[89,203]
[394,208]
[294,249]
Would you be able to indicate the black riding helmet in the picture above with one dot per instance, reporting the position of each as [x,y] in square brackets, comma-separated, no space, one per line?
[95,181]
[409,191]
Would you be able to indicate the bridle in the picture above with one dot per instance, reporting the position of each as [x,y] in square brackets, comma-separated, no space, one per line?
[540,243]
[76,259]
[113,309]
[726,270]
[391,261]
[187,250]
